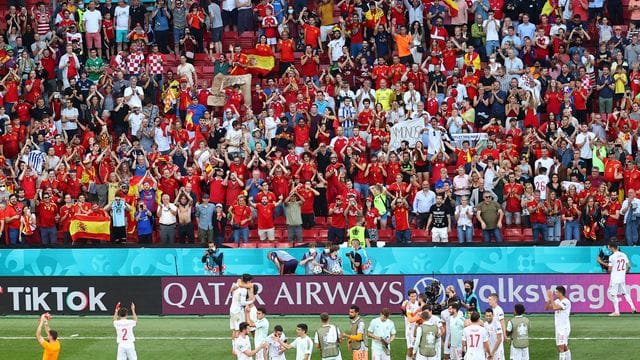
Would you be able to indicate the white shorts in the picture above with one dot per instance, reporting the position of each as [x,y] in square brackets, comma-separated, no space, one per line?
[420,357]
[562,336]
[127,353]
[379,355]
[409,332]
[519,354]
[440,235]
[616,289]
[260,355]
[234,320]
[267,234]
[498,355]
[447,349]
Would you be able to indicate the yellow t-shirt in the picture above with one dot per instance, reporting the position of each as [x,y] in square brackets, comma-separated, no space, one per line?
[621,81]
[385,97]
[326,13]
[51,350]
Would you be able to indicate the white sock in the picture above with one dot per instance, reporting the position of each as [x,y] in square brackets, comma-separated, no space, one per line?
[568,356]
[630,301]
[616,304]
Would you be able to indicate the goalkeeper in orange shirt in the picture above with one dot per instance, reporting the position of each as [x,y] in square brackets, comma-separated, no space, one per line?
[51,345]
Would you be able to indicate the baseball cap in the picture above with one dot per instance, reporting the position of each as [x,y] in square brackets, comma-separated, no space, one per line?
[219,205]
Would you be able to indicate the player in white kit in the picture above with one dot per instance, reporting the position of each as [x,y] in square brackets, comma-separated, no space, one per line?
[618,266]
[562,308]
[239,299]
[275,350]
[242,344]
[124,332]
[410,308]
[494,329]
[476,340]
[303,343]
[498,314]
[261,331]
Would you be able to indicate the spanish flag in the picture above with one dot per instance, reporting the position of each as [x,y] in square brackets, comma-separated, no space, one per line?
[90,227]
[453,7]
[169,98]
[261,60]
[548,7]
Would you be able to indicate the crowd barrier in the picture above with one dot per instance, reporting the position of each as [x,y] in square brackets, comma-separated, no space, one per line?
[203,295]
[393,260]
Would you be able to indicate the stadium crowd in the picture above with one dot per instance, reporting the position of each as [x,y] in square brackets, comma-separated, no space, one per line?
[104,114]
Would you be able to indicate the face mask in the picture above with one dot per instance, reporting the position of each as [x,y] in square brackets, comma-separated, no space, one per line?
[2,188]
[290,11]
[326,251]
[492,60]
[312,251]
[468,291]
[81,6]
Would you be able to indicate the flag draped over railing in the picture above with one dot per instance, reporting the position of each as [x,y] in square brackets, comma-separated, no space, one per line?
[93,227]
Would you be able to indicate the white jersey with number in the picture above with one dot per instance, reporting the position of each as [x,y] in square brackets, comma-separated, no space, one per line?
[474,337]
[561,315]
[540,182]
[494,329]
[124,332]
[619,263]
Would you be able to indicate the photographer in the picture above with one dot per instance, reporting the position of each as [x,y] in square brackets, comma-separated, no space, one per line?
[144,220]
[360,262]
[118,219]
[212,260]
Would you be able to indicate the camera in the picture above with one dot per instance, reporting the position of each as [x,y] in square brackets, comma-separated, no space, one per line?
[431,293]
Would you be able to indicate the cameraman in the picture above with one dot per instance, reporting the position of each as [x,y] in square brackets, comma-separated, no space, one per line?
[212,260]
[631,212]
[144,219]
[360,263]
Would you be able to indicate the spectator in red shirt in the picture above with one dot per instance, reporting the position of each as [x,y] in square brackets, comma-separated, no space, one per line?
[240,215]
[401,218]
[265,209]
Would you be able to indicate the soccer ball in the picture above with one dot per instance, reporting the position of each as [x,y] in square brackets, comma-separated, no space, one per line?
[336,269]
[317,269]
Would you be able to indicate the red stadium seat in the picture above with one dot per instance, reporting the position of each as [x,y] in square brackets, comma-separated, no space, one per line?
[420,235]
[249,245]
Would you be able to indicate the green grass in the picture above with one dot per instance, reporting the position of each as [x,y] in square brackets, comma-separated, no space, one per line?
[193,338]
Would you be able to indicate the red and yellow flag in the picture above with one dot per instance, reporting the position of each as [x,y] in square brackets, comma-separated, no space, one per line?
[90,227]
[261,60]
[453,7]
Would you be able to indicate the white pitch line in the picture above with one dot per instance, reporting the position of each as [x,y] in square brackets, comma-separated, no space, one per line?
[227,338]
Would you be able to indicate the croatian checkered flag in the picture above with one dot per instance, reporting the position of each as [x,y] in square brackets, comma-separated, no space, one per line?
[35,160]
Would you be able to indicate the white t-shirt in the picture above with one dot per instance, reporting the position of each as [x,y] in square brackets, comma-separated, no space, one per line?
[92,19]
[242,344]
[475,336]
[492,28]
[463,218]
[163,141]
[124,332]
[561,316]
[238,297]
[303,346]
[135,120]
[166,216]
[136,96]
[121,15]
[619,263]
[546,163]
[384,329]
[586,139]
[262,331]
[70,113]
[336,48]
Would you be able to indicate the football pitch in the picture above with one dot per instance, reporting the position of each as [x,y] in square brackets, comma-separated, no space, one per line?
[194,338]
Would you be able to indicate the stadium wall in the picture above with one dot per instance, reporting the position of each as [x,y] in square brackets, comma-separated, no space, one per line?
[290,295]
[385,261]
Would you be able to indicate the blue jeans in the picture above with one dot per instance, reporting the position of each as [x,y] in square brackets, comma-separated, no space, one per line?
[630,232]
[363,189]
[241,232]
[539,231]
[488,233]
[355,50]
[610,231]
[403,236]
[572,230]
[348,132]
[465,234]
[491,46]
[553,232]
[14,235]
[48,235]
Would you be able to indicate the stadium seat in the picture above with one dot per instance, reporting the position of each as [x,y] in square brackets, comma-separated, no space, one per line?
[283,244]
[249,245]
[386,235]
[527,234]
[265,244]
[512,234]
[420,235]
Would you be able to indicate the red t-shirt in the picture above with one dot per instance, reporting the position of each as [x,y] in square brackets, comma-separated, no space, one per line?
[241,213]
[46,214]
[265,216]
[307,196]
[338,220]
[286,51]
[536,216]
[311,35]
[401,214]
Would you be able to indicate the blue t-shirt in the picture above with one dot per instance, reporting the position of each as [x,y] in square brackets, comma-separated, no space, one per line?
[145,223]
